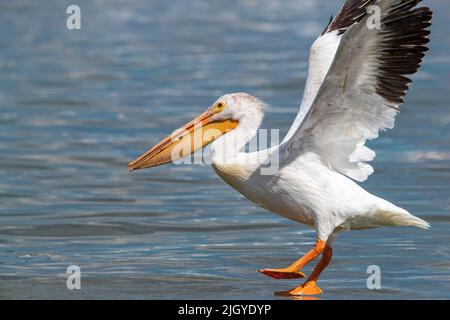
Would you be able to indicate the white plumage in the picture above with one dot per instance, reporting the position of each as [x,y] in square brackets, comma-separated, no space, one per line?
[325,146]
[356,81]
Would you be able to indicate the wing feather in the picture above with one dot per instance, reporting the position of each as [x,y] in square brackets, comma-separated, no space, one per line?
[351,12]
[364,87]
[323,51]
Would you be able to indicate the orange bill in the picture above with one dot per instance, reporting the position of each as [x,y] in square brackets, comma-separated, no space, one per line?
[183,142]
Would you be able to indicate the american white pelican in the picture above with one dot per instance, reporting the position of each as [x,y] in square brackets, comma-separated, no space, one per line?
[356,82]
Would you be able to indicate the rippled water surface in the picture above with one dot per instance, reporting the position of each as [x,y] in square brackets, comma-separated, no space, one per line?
[77,106]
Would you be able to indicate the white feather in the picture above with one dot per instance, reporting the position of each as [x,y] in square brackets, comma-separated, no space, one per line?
[325,147]
[346,111]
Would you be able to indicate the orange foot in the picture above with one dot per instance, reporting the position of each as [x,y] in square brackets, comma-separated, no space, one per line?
[285,273]
[308,288]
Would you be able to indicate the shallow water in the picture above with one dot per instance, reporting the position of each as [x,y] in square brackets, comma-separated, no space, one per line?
[77,106]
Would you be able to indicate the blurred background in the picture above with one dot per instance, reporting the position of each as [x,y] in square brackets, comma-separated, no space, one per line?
[77,105]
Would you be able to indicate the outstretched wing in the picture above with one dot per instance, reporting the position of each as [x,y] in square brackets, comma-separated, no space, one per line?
[323,51]
[364,87]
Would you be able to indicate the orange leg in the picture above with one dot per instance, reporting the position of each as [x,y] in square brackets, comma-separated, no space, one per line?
[293,271]
[310,287]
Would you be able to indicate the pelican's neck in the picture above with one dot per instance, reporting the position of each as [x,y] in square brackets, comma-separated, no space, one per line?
[227,148]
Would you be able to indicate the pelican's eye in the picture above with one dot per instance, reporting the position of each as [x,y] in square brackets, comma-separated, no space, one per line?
[218,107]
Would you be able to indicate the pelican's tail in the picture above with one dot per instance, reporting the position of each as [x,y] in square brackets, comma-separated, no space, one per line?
[391,215]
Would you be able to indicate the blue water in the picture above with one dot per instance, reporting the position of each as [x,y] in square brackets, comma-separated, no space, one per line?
[77,105]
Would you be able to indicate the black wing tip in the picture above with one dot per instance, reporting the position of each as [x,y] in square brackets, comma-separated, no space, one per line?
[408,36]
[327,26]
[351,12]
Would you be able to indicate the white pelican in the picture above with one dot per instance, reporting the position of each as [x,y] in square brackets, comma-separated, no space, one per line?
[356,82]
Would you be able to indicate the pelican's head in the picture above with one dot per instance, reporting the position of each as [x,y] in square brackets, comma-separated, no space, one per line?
[225,115]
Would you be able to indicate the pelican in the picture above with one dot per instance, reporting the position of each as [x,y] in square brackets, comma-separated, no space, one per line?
[356,83]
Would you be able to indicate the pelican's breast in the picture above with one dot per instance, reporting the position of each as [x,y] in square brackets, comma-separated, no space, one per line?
[268,192]
[244,178]
[236,175]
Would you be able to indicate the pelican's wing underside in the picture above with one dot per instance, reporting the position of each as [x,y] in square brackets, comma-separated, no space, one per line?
[364,87]
[323,51]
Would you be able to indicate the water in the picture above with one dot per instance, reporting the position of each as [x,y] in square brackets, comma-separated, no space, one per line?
[77,106]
